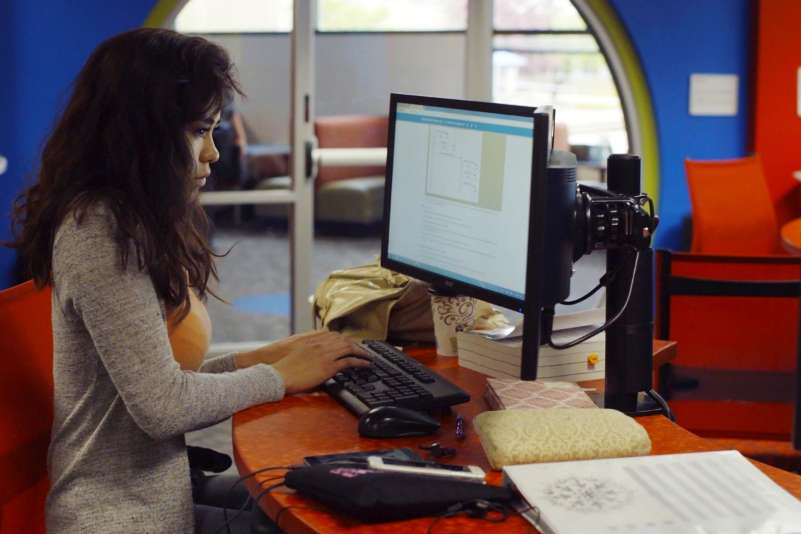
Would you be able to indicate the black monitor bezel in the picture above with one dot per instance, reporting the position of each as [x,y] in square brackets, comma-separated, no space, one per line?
[539,162]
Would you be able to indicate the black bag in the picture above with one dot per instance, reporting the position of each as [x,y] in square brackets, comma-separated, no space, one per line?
[374,496]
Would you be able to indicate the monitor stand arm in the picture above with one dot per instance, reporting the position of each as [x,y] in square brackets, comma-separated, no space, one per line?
[629,340]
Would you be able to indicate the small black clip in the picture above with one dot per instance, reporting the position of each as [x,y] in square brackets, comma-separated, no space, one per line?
[438,451]
[478,508]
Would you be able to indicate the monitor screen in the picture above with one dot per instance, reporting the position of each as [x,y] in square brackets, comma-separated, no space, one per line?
[458,197]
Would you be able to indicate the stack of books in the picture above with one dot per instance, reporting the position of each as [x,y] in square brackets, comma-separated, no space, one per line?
[501,358]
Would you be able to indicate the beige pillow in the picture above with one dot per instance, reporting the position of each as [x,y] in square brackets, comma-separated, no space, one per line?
[523,436]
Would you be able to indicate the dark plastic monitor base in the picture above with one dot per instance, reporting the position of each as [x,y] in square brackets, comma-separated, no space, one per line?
[440,290]
[634,404]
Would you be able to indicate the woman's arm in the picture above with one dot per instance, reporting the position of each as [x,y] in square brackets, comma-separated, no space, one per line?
[121,313]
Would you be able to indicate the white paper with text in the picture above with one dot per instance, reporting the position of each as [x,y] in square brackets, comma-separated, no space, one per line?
[705,493]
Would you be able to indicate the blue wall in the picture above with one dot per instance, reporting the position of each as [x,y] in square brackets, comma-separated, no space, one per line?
[43,45]
[675,39]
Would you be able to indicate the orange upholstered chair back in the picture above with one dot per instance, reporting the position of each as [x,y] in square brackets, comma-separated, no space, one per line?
[350,131]
[732,212]
[735,319]
[26,406]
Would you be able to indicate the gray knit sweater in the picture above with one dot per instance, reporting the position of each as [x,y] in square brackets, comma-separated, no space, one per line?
[117,459]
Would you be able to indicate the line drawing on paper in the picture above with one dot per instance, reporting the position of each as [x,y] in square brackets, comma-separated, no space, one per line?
[588,494]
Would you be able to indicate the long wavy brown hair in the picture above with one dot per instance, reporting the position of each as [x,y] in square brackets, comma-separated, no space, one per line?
[121,140]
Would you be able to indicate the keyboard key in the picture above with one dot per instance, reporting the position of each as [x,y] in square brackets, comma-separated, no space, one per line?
[393,378]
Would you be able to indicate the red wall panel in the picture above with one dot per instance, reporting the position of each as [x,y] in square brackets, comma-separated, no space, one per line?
[777,135]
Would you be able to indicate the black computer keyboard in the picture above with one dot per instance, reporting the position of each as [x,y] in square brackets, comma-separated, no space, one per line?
[392,379]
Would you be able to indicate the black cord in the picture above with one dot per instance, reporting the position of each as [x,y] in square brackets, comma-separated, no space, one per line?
[242,508]
[278,515]
[478,509]
[266,491]
[608,323]
[522,511]
[604,281]
[242,479]
[585,297]
[239,512]
[662,404]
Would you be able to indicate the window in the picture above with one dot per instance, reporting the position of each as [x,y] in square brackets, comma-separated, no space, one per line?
[537,15]
[391,15]
[235,16]
[271,16]
[543,54]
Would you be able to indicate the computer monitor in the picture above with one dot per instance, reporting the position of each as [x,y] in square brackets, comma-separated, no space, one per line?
[458,202]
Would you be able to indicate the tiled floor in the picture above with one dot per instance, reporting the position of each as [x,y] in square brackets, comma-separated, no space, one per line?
[257,266]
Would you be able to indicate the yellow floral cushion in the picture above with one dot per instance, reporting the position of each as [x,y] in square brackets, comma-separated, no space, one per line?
[525,435]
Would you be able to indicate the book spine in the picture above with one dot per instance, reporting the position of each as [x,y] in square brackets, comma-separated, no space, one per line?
[548,357]
[579,377]
[493,400]
[487,370]
[494,350]
[570,371]
[507,369]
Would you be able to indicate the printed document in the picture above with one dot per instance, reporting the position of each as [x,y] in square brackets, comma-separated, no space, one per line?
[705,493]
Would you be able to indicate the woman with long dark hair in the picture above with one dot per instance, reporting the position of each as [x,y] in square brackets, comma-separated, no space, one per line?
[114,225]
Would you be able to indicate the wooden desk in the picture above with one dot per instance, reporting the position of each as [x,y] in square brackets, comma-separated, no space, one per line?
[283,433]
[791,236]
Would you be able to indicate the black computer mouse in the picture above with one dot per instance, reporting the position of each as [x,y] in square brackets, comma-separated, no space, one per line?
[395,422]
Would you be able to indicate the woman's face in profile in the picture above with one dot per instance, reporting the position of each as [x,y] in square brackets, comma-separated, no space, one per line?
[201,144]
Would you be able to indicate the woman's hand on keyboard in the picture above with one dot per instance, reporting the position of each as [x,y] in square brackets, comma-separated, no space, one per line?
[272,353]
[312,358]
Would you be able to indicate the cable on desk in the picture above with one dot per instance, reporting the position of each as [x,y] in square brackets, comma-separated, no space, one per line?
[249,500]
[478,509]
[266,491]
[604,281]
[662,404]
[596,331]
[227,523]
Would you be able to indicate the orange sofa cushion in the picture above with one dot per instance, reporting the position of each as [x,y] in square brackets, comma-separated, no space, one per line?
[350,131]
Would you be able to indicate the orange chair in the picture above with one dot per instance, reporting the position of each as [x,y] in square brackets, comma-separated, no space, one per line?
[735,319]
[26,396]
[26,406]
[732,211]
[350,131]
